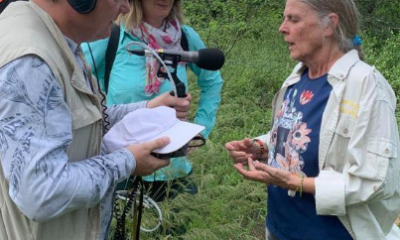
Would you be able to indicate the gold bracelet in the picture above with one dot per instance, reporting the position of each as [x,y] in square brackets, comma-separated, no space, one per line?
[301,184]
[291,192]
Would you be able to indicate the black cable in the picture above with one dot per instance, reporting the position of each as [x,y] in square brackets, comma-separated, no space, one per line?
[119,233]
[140,208]
[103,100]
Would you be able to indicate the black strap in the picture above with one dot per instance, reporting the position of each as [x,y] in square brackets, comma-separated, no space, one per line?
[184,41]
[111,52]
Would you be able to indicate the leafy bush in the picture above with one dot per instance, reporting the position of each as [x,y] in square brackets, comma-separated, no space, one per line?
[380,17]
[384,55]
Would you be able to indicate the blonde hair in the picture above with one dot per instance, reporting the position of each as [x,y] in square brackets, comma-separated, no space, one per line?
[349,20]
[135,16]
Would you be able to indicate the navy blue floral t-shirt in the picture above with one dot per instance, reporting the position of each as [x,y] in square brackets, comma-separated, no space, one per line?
[295,141]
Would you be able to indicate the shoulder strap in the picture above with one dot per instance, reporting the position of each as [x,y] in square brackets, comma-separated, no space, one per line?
[184,41]
[111,51]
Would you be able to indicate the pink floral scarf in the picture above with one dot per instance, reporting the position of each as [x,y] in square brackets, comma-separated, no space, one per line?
[167,37]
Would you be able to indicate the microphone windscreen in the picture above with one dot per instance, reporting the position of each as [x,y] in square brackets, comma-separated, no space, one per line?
[210,59]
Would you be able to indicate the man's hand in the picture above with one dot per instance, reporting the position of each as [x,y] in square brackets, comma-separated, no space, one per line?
[181,105]
[241,150]
[146,164]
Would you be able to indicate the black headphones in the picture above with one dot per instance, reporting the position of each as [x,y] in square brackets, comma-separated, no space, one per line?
[83,6]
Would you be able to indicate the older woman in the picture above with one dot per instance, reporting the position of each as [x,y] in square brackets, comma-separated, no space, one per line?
[333,150]
[159,25]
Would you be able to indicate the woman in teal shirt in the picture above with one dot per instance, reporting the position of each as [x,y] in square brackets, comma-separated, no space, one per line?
[133,78]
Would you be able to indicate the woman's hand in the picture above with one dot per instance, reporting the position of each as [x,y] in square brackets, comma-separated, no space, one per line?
[181,105]
[263,173]
[241,150]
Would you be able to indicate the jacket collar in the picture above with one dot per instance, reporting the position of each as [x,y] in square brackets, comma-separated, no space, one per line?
[342,66]
[71,44]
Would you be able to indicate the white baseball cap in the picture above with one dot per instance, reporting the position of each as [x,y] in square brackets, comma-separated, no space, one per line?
[144,125]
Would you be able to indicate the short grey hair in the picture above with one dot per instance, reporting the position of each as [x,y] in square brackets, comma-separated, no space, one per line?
[349,20]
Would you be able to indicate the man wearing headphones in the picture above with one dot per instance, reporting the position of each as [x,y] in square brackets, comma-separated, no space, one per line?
[54,181]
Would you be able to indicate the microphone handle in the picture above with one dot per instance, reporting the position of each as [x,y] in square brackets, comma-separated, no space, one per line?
[180,90]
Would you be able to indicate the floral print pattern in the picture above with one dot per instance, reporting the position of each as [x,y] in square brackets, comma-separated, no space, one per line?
[289,136]
[168,36]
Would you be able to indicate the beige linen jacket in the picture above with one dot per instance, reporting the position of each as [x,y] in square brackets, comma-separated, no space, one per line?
[358,150]
[36,33]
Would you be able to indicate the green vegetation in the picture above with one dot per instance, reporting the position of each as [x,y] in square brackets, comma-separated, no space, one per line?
[228,207]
